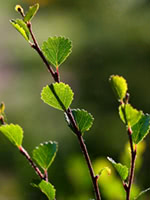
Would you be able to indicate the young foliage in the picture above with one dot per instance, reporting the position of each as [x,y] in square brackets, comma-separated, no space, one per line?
[119,86]
[121,169]
[21,27]
[2,108]
[47,188]
[57,95]
[44,154]
[19,9]
[84,120]
[141,129]
[56,50]
[107,169]
[14,133]
[2,113]
[31,12]
[129,115]
[141,193]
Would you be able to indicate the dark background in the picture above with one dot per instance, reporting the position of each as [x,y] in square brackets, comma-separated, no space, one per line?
[109,37]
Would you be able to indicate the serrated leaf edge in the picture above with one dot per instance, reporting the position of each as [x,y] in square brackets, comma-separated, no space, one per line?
[62,37]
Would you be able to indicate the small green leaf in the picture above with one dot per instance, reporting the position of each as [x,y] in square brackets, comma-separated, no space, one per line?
[121,169]
[105,169]
[119,86]
[129,115]
[44,154]
[141,129]
[2,113]
[57,95]
[19,9]
[31,12]
[14,133]
[21,27]
[47,188]
[84,120]
[2,108]
[141,193]
[56,50]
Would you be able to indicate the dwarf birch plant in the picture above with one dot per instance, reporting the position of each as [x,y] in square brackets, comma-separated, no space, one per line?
[59,95]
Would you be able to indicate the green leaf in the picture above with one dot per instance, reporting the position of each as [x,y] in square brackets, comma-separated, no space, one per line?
[141,129]
[121,169]
[129,115]
[14,133]
[47,188]
[119,86]
[45,153]
[2,108]
[19,9]
[2,114]
[105,169]
[31,12]
[57,95]
[56,50]
[21,27]
[141,193]
[84,120]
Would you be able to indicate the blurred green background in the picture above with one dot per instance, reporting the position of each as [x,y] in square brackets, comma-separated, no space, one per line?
[109,37]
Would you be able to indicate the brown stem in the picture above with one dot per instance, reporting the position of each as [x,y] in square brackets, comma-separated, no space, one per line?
[25,153]
[132,168]
[87,158]
[46,175]
[56,78]
[2,120]
[36,46]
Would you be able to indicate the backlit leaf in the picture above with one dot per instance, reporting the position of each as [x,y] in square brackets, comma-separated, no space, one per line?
[129,115]
[21,27]
[141,193]
[141,129]
[119,86]
[57,95]
[47,188]
[14,133]
[56,50]
[31,12]
[19,9]
[84,120]
[121,169]
[44,154]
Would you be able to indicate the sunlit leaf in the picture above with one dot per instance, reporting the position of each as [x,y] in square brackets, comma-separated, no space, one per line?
[21,27]
[44,154]
[31,12]
[2,108]
[47,188]
[57,95]
[84,120]
[119,86]
[141,129]
[105,169]
[129,115]
[56,50]
[141,193]
[19,9]
[14,133]
[121,169]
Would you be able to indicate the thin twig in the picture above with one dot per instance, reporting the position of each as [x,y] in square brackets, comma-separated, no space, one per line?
[2,120]
[56,78]
[46,175]
[132,168]
[25,153]
[36,46]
